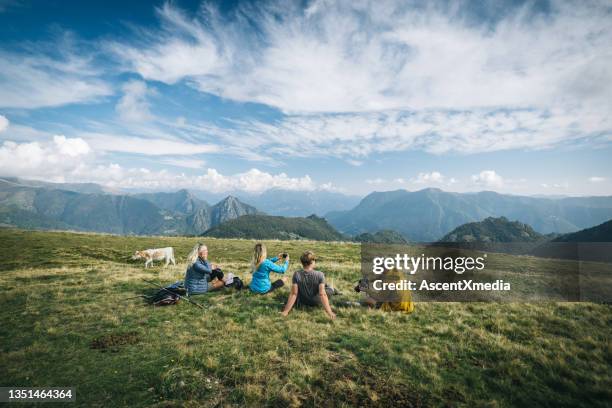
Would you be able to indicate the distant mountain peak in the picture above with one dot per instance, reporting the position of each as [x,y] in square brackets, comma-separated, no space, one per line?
[430,189]
[229,208]
[230,198]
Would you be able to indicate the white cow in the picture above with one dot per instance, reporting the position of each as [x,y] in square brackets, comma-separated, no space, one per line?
[157,254]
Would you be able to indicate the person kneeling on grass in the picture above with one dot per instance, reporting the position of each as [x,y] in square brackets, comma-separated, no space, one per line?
[262,268]
[309,288]
[202,276]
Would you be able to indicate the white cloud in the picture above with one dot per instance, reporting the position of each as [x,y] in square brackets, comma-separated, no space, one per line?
[46,160]
[72,160]
[181,48]
[429,178]
[71,147]
[253,180]
[4,123]
[422,179]
[597,179]
[133,105]
[376,181]
[488,178]
[434,178]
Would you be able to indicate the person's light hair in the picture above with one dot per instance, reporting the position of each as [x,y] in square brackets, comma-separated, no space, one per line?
[307,258]
[259,255]
[195,252]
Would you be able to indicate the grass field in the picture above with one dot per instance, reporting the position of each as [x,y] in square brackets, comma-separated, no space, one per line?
[67,320]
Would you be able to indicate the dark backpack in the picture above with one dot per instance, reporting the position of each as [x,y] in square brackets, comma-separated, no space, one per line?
[236,284]
[163,298]
[168,296]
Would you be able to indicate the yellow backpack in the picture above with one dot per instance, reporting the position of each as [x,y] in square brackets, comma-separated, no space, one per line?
[405,306]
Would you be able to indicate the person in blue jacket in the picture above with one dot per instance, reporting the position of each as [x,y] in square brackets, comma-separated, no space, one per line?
[262,268]
[200,275]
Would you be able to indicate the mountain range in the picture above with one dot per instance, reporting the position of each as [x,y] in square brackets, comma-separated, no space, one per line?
[419,216]
[199,215]
[427,215]
[180,213]
[299,203]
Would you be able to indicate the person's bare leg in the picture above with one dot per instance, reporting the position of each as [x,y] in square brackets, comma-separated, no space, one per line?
[216,284]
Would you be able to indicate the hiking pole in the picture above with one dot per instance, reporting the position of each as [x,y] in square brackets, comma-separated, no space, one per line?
[180,297]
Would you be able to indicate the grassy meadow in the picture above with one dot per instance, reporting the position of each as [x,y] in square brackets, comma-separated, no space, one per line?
[69,317]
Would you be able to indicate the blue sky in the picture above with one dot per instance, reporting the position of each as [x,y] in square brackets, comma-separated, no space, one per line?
[348,96]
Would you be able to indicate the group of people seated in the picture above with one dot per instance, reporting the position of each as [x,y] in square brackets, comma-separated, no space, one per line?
[308,286]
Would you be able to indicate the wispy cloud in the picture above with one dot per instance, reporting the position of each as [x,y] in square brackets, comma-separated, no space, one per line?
[44,76]
[183,162]
[181,48]
[360,78]
[354,136]
[102,142]
[134,105]
[368,56]
[597,179]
